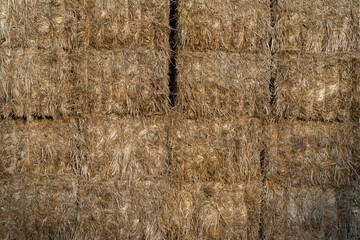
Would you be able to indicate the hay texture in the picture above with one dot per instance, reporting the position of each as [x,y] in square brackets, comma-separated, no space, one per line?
[214,210]
[216,150]
[41,207]
[123,148]
[122,81]
[71,24]
[312,153]
[120,210]
[316,26]
[317,87]
[34,83]
[300,212]
[235,26]
[38,147]
[220,84]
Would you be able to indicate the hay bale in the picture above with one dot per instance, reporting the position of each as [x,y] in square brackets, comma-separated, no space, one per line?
[122,81]
[71,24]
[219,84]
[216,150]
[235,26]
[38,147]
[119,210]
[123,148]
[317,87]
[316,26]
[300,212]
[214,210]
[42,207]
[312,153]
[34,83]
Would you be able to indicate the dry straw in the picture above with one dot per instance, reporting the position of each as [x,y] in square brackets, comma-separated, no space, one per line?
[70,24]
[41,207]
[317,26]
[38,83]
[121,81]
[34,83]
[216,150]
[123,148]
[317,87]
[235,26]
[220,84]
[38,147]
[300,212]
[312,153]
[213,210]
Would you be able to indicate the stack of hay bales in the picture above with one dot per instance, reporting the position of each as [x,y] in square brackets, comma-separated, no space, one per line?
[223,71]
[312,161]
[84,119]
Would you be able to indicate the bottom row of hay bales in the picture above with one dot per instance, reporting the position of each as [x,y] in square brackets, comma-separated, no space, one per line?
[67,207]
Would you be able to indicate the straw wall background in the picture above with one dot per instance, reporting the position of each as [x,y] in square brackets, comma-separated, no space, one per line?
[179,119]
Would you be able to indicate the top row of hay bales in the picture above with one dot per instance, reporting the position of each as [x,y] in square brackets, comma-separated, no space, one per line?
[235,26]
[253,26]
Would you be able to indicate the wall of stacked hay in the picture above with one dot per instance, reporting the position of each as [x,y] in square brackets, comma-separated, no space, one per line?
[179,119]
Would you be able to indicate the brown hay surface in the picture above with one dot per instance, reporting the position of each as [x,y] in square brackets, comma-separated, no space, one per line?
[122,82]
[37,147]
[312,153]
[317,87]
[216,150]
[123,148]
[213,210]
[235,26]
[41,207]
[116,209]
[71,23]
[300,212]
[220,84]
[34,83]
[316,26]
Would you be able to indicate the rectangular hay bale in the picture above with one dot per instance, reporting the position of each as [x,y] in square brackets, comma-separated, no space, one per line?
[123,210]
[214,210]
[123,148]
[300,212]
[316,26]
[220,84]
[42,207]
[121,81]
[234,26]
[317,87]
[71,24]
[35,83]
[216,150]
[38,147]
[312,153]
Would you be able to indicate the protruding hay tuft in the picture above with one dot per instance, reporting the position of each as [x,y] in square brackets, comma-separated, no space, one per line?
[121,81]
[317,87]
[316,26]
[312,153]
[34,83]
[216,150]
[38,147]
[219,84]
[42,207]
[71,24]
[123,148]
[214,210]
[235,26]
[300,212]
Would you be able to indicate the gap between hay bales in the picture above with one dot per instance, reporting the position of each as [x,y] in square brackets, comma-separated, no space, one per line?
[173,18]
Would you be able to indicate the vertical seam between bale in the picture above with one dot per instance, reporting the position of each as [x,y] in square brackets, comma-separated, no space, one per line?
[173,39]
